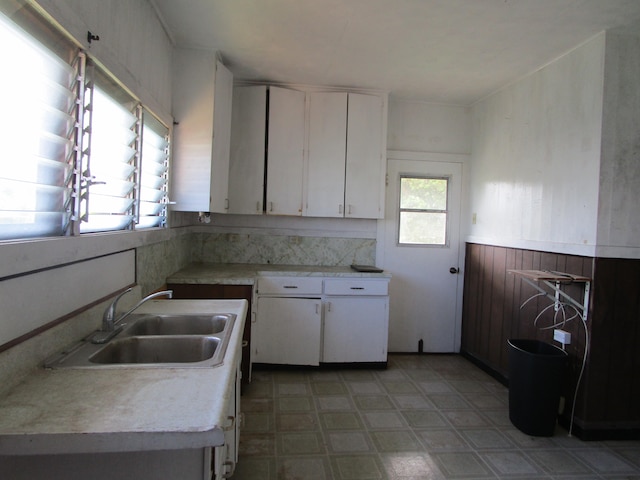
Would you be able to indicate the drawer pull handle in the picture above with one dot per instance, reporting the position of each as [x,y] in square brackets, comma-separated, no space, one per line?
[290,286]
[357,288]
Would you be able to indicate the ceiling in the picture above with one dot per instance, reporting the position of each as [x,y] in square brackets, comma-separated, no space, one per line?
[444,51]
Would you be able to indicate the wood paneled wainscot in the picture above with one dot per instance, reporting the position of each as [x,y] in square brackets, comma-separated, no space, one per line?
[609,393]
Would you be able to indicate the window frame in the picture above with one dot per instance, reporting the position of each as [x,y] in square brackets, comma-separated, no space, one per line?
[444,211]
[78,181]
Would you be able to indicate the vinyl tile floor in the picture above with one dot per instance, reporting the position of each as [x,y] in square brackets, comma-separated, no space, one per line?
[424,417]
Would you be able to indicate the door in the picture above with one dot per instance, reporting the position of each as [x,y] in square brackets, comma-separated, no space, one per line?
[287,331]
[364,183]
[285,156]
[355,329]
[425,301]
[248,130]
[327,147]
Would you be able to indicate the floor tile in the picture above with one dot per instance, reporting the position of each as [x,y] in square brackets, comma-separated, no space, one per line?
[307,468]
[357,467]
[426,417]
[340,421]
[307,443]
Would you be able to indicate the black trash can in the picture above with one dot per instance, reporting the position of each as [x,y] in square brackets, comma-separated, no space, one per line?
[536,373]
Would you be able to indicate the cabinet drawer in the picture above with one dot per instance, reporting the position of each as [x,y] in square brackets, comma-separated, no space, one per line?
[290,285]
[356,286]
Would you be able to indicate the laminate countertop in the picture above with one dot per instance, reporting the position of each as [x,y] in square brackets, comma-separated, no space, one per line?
[246,274]
[89,410]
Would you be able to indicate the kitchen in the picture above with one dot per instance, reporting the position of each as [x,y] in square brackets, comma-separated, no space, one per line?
[512,201]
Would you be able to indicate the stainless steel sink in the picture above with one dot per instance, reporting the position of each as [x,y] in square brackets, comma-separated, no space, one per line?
[179,324]
[155,341]
[138,350]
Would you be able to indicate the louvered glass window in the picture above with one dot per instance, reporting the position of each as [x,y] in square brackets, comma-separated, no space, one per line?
[154,166]
[37,94]
[110,157]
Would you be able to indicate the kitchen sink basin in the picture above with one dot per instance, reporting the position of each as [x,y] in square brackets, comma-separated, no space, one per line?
[183,349]
[155,341]
[180,324]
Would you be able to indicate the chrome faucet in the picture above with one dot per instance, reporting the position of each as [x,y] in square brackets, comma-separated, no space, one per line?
[109,329]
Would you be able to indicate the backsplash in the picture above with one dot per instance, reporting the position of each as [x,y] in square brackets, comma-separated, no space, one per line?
[281,249]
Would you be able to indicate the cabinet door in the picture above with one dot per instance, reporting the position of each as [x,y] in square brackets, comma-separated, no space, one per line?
[222,102]
[287,331]
[285,156]
[202,89]
[355,329]
[246,165]
[365,167]
[326,156]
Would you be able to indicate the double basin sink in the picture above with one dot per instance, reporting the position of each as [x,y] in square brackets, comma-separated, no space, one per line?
[155,340]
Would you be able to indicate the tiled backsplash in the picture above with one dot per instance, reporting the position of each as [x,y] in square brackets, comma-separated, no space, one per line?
[280,249]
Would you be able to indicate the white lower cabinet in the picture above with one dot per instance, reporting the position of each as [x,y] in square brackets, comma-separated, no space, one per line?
[287,331]
[225,457]
[355,329]
[308,320]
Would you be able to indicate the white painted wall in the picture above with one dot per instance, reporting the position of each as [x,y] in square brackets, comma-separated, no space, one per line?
[133,44]
[536,157]
[428,127]
[618,213]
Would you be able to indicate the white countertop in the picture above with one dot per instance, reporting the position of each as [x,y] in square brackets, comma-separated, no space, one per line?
[124,409]
[246,274]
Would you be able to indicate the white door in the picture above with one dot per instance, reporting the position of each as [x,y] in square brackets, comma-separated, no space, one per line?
[285,156]
[327,146]
[355,329]
[425,291]
[287,331]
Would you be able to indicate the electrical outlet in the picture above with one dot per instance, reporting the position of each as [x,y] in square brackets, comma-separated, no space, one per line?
[562,336]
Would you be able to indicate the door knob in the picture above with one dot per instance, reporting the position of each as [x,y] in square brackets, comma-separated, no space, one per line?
[454,270]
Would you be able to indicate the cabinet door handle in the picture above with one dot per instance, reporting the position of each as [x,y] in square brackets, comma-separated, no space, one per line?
[328,306]
[289,286]
[232,468]
[317,309]
[271,206]
[226,204]
[357,288]
[340,209]
[258,206]
[350,209]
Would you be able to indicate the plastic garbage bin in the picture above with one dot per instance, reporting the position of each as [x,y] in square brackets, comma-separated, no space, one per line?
[536,373]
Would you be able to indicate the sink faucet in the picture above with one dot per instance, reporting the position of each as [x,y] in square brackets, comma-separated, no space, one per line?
[109,321]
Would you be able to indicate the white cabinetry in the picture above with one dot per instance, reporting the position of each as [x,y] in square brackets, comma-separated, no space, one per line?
[346,168]
[202,96]
[327,149]
[285,154]
[308,320]
[248,130]
[225,457]
[356,320]
[288,321]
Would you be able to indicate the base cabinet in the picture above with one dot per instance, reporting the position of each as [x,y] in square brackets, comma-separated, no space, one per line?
[313,320]
[287,331]
[355,329]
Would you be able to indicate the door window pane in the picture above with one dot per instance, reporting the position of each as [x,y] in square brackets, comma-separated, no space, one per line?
[423,211]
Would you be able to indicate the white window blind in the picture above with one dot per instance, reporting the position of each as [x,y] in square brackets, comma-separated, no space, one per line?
[154,166]
[110,169]
[37,94]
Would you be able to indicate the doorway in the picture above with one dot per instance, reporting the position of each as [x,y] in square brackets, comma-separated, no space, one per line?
[419,244]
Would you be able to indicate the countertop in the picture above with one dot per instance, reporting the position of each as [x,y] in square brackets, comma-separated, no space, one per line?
[246,274]
[124,409]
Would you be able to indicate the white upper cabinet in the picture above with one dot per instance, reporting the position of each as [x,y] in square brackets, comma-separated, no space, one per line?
[248,130]
[366,157]
[202,99]
[327,149]
[346,162]
[285,153]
